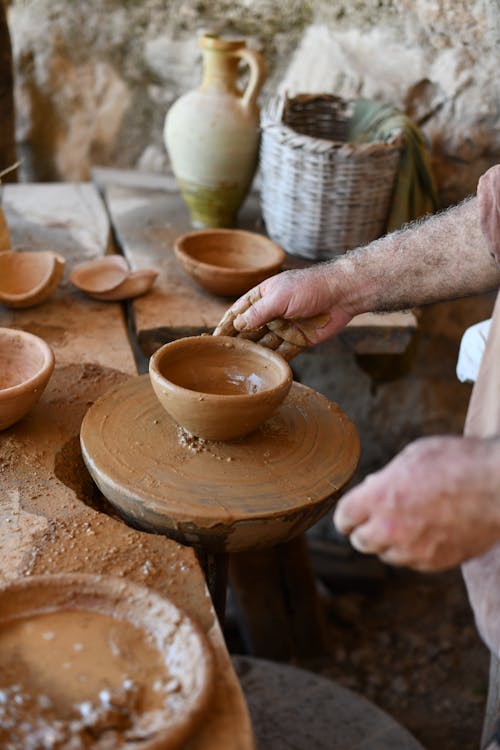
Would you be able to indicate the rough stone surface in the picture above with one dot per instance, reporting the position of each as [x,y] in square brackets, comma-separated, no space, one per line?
[293,708]
[94,80]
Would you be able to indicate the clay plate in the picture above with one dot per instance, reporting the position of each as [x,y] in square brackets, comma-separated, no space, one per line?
[219,388]
[109,279]
[254,492]
[228,262]
[27,362]
[29,278]
[163,639]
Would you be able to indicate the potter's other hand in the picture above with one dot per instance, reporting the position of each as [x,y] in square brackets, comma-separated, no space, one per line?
[434,506]
[289,311]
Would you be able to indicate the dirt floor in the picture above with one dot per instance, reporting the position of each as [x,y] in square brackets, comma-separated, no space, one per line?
[408,643]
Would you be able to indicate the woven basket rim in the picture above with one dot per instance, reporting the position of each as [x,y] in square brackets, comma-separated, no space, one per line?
[294,139]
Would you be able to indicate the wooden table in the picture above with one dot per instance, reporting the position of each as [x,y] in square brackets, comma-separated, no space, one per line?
[52,519]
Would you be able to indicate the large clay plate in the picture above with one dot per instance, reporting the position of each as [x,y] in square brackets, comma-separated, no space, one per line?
[254,492]
[181,646]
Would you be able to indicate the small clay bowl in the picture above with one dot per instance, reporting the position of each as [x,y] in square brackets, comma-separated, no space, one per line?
[118,627]
[228,262]
[219,387]
[26,364]
[29,278]
[109,279]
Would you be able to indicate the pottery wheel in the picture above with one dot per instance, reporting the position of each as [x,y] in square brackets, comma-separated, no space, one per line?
[257,491]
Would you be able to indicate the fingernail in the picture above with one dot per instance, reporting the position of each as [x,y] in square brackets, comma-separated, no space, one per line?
[240,323]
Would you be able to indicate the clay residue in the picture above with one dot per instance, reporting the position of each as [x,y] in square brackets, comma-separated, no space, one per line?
[73,679]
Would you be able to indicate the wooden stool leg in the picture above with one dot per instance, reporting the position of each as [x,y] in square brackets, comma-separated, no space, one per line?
[215,569]
[275,594]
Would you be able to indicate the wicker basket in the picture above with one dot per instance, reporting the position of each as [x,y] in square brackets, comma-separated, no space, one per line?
[321,195]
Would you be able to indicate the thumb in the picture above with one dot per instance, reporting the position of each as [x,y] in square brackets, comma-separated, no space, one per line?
[257,315]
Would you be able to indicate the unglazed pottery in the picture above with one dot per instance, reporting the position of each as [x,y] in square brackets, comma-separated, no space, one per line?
[87,642]
[110,279]
[219,388]
[212,134]
[251,493]
[228,262]
[26,364]
[29,278]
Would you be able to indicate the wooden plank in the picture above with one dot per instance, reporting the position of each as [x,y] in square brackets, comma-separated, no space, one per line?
[148,214]
[52,519]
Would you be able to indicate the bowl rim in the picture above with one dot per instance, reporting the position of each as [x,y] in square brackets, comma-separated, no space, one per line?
[53,260]
[275,263]
[238,343]
[39,377]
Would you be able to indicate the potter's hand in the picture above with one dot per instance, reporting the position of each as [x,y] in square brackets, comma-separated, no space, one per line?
[434,506]
[288,312]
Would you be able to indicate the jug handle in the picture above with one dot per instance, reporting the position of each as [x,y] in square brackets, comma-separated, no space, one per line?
[257,66]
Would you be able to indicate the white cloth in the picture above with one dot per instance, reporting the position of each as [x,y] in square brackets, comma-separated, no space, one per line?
[471,351]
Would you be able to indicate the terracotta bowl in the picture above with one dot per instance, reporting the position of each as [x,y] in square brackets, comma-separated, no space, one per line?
[228,262]
[29,278]
[26,364]
[219,387]
[106,654]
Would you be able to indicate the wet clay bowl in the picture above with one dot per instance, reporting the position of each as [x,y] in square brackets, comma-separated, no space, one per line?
[29,278]
[219,387]
[109,663]
[228,262]
[26,364]
[109,279]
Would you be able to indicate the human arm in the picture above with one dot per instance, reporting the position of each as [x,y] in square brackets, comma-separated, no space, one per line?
[432,507]
[444,256]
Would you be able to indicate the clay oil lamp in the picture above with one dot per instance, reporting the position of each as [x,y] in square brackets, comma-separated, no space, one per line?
[29,278]
[27,362]
[219,387]
[109,279]
[228,262]
[107,662]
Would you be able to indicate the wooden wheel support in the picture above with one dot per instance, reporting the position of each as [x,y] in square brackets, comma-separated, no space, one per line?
[252,499]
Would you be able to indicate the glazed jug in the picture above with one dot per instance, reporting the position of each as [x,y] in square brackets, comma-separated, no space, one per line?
[212,133]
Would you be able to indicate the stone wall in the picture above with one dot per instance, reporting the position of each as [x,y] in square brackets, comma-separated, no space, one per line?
[94,79]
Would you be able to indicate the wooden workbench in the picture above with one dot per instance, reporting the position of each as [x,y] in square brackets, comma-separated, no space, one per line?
[52,518]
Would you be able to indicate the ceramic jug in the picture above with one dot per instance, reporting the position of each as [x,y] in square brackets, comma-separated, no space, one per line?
[212,134]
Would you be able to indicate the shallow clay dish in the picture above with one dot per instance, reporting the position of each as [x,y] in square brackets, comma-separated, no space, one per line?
[110,279]
[26,364]
[228,262]
[219,387]
[29,278]
[106,656]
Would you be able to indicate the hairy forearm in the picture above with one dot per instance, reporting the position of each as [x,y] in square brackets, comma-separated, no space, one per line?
[442,257]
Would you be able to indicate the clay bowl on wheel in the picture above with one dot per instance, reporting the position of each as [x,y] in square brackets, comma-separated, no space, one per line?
[228,262]
[219,387]
[26,364]
[104,662]
[29,278]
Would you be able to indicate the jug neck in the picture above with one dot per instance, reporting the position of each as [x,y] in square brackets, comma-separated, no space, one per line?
[220,67]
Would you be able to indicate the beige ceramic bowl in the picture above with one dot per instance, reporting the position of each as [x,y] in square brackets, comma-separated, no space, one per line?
[26,364]
[228,262]
[219,387]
